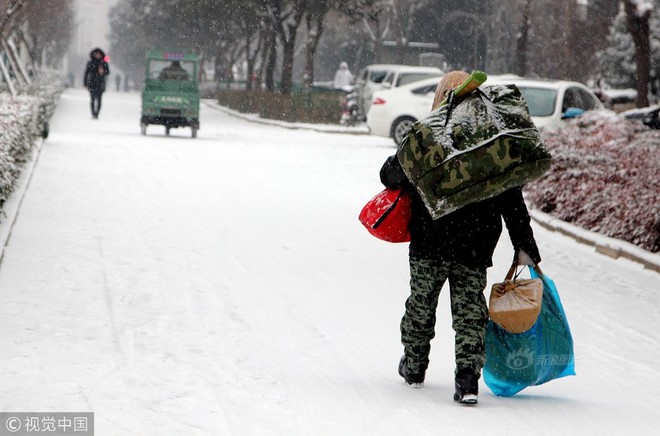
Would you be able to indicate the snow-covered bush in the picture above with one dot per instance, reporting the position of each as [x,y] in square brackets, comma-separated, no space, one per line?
[18,129]
[47,87]
[23,119]
[605,177]
[314,107]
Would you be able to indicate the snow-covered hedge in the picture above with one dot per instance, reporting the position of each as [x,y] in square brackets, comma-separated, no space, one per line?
[47,88]
[605,177]
[22,120]
[18,129]
[315,107]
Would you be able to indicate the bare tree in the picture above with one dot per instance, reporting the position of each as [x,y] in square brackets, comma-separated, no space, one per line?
[10,15]
[375,16]
[638,14]
[269,53]
[251,16]
[271,31]
[522,39]
[316,14]
[50,24]
[286,16]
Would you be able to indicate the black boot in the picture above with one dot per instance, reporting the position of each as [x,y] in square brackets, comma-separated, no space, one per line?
[467,386]
[413,380]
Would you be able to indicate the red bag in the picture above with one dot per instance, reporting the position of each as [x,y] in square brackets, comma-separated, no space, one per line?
[386,216]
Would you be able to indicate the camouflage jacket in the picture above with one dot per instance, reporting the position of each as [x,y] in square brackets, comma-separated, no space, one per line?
[469,235]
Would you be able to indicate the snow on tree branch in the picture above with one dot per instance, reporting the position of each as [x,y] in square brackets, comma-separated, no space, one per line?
[642,8]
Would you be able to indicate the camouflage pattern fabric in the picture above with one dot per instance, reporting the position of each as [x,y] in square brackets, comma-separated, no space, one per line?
[474,150]
[468,308]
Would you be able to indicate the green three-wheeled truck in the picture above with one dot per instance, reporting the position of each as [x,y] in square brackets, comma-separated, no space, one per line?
[171,93]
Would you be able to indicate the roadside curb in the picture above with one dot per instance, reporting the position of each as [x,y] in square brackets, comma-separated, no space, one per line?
[611,247]
[11,207]
[359,130]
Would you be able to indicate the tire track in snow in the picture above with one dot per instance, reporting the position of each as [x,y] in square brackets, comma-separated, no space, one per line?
[109,304]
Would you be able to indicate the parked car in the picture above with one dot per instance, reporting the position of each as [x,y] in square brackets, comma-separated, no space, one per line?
[617,98]
[551,102]
[394,110]
[378,76]
[650,116]
[405,74]
[368,81]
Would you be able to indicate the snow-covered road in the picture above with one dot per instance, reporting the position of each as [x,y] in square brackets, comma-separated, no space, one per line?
[223,285]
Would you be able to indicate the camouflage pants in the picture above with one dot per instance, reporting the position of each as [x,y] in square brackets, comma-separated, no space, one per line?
[468,309]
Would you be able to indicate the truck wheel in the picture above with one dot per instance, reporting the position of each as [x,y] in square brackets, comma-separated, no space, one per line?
[143,129]
[194,132]
[167,130]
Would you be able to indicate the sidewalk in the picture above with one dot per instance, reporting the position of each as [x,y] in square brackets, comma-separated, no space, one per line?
[9,210]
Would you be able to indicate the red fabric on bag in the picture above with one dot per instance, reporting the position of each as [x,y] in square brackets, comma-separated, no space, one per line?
[386,216]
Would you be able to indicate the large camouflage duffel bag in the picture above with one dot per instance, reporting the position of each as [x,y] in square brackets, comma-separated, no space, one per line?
[474,150]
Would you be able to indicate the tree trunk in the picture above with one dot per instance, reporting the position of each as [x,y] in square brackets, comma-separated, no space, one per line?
[253,38]
[228,73]
[310,55]
[271,31]
[638,26]
[377,33]
[250,61]
[315,18]
[287,66]
[522,40]
[220,69]
[270,55]
[287,31]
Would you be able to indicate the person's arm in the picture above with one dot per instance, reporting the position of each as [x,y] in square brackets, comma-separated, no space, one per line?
[392,175]
[516,218]
[85,74]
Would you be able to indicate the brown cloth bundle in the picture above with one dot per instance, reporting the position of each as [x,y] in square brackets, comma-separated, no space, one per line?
[515,304]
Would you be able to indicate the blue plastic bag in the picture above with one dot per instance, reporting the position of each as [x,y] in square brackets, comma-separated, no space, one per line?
[515,361]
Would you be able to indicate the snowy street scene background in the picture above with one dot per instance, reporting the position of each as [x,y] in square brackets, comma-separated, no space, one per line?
[224,286]
[176,281]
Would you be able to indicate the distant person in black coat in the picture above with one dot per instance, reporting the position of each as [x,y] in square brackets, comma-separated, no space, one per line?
[94,79]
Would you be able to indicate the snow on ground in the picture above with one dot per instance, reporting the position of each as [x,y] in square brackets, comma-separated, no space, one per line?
[223,285]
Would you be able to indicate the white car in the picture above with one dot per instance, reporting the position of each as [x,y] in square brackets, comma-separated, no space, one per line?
[369,80]
[387,76]
[550,102]
[406,74]
[393,111]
